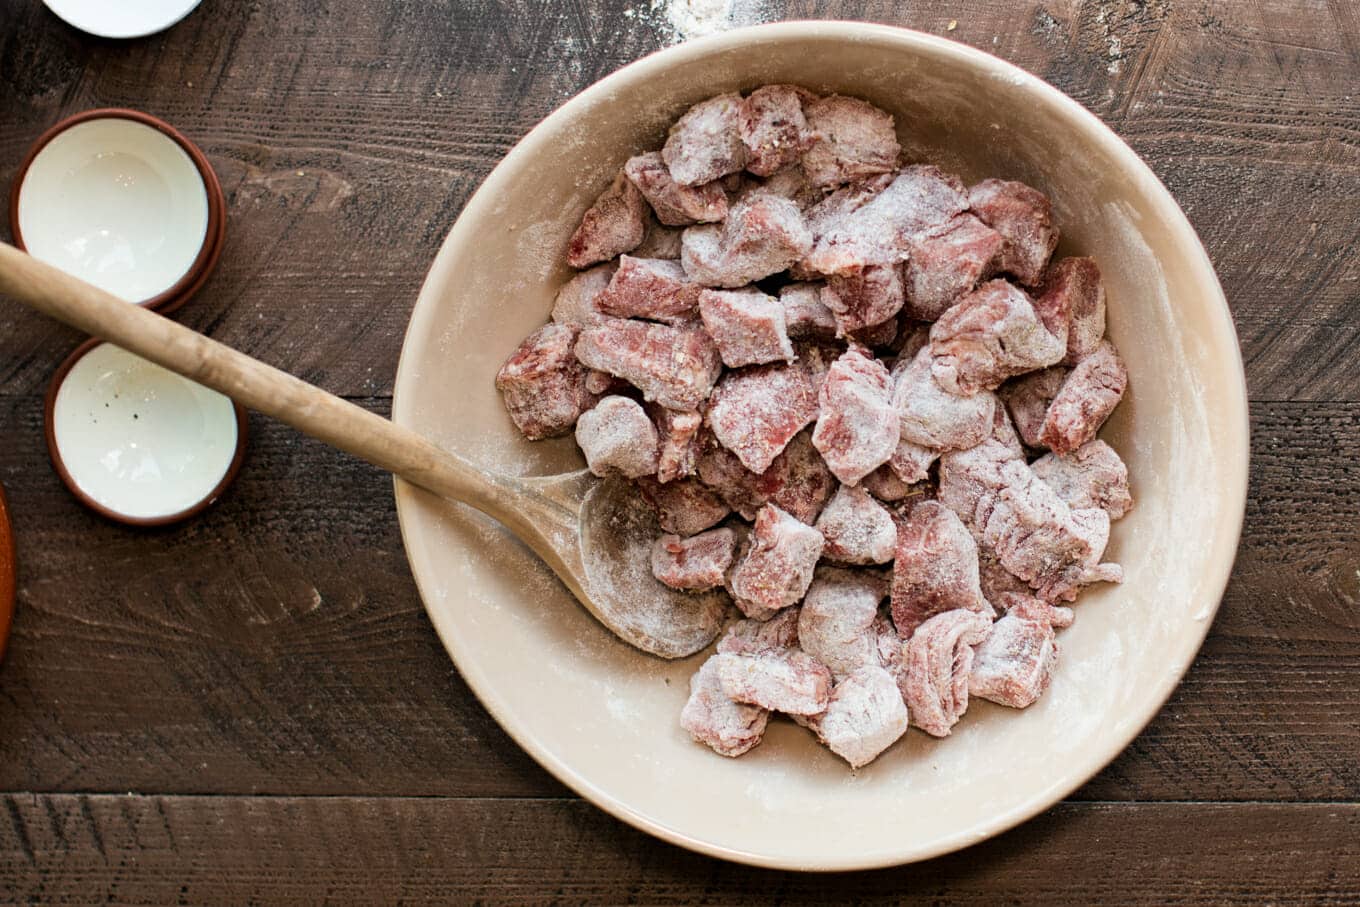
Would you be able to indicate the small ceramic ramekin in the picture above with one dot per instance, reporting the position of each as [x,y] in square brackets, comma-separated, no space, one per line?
[121,20]
[121,199]
[138,443]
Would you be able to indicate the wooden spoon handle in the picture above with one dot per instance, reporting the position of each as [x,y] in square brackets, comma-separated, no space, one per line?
[253,384]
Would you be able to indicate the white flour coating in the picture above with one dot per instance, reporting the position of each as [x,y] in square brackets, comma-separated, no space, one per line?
[696,18]
[682,20]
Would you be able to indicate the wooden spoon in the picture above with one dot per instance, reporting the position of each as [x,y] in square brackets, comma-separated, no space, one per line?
[596,536]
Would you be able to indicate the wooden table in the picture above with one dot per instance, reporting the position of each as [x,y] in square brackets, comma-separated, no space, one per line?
[253,706]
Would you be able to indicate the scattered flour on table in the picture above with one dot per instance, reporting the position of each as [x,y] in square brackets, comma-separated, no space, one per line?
[696,18]
[686,19]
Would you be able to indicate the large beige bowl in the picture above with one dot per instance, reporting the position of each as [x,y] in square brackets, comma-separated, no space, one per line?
[604,718]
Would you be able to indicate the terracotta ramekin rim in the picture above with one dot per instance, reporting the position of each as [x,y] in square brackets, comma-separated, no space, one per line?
[8,574]
[59,464]
[214,236]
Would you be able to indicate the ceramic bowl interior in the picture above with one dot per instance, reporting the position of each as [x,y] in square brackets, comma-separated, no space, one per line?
[117,203]
[604,718]
[124,19]
[136,442]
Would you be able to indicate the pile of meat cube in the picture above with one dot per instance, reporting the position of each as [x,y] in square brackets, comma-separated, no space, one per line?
[860,398]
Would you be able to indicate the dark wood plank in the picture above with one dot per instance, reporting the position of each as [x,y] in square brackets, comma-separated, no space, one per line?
[275,644]
[278,645]
[349,135]
[244,654]
[88,849]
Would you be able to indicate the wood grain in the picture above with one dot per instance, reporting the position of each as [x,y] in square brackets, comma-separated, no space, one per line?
[84,849]
[353,135]
[277,645]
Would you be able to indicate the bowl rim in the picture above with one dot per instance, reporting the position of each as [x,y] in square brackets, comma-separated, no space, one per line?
[1223,552]
[59,463]
[214,235]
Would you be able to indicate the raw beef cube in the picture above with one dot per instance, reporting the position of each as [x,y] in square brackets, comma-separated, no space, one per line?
[712,718]
[932,417]
[1092,390]
[756,411]
[1093,525]
[816,357]
[1014,513]
[864,717]
[1073,287]
[740,488]
[857,529]
[617,437]
[990,335]
[1003,432]
[674,366]
[936,569]
[660,242]
[762,235]
[851,140]
[831,221]
[798,480]
[578,301]
[804,313]
[997,581]
[650,288]
[602,384]
[1014,663]
[773,128]
[937,663]
[610,227]
[1090,476]
[856,228]
[911,462]
[1028,398]
[945,263]
[747,325]
[836,622]
[774,572]
[543,386]
[970,481]
[864,298]
[833,209]
[677,454]
[1024,218]
[877,336]
[857,430]
[790,183]
[790,681]
[1055,313]
[705,143]
[675,205]
[884,484]
[754,637]
[1025,606]
[694,564]
[923,199]
[683,506]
